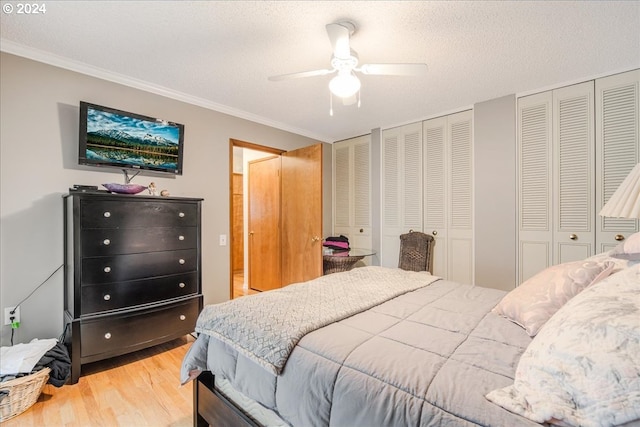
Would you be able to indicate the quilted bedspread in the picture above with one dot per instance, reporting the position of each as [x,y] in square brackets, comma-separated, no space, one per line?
[425,357]
[266,327]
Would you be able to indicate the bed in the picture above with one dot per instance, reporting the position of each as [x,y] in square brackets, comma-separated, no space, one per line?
[385,347]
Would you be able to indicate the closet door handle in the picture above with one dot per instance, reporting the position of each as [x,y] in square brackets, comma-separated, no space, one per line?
[619,237]
[573,236]
[434,232]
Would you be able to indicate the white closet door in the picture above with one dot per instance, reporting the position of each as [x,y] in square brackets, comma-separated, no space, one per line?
[617,148]
[360,236]
[574,172]
[435,189]
[460,212]
[352,191]
[401,188]
[342,185]
[535,184]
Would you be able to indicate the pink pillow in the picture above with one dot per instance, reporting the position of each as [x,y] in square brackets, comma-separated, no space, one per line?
[532,303]
[629,249]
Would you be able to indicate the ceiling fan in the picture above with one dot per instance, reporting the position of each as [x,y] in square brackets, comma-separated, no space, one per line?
[344,62]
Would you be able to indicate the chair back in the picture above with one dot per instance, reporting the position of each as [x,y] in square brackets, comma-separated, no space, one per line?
[416,251]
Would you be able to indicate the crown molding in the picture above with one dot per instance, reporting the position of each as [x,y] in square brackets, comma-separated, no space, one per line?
[17,49]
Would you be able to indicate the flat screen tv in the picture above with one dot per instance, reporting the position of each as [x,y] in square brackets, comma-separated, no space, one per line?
[128,141]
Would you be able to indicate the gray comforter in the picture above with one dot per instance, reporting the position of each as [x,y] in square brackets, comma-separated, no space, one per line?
[424,358]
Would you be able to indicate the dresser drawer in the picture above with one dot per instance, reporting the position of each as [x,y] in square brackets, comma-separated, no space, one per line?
[121,268]
[114,296]
[140,213]
[112,241]
[118,332]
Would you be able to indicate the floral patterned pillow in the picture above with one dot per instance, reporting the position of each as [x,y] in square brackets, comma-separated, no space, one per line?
[532,303]
[583,368]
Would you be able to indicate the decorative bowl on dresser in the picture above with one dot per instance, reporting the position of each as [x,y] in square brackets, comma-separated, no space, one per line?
[132,273]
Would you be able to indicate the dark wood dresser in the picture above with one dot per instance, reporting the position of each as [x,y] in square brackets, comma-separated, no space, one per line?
[132,273]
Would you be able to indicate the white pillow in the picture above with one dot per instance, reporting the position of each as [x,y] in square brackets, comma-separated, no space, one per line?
[532,303]
[583,368]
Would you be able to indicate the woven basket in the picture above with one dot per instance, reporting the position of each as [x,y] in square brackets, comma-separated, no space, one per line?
[23,392]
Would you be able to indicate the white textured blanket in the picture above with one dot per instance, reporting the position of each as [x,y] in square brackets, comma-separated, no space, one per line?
[266,327]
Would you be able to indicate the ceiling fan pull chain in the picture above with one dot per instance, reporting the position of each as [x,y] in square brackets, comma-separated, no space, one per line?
[330,104]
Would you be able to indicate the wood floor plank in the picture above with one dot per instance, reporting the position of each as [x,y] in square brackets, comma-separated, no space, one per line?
[138,389]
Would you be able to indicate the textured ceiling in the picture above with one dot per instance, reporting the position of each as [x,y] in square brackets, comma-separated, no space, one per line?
[218,54]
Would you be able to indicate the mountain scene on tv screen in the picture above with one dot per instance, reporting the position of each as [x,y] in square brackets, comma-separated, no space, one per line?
[127,140]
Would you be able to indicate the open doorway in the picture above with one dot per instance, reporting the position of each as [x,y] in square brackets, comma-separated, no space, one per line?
[300,218]
[242,155]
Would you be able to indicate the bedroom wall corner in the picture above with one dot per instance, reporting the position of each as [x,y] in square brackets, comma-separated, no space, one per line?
[495,194]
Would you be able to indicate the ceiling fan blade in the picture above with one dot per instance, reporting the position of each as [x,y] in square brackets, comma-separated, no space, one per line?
[394,69]
[301,74]
[339,36]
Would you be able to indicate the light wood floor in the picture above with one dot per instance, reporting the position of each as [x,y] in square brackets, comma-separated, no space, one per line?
[137,389]
[238,282]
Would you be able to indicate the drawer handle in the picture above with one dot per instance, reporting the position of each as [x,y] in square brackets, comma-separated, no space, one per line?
[181,214]
[107,297]
[106,242]
[107,269]
[182,285]
[181,261]
[183,317]
[107,214]
[180,237]
[107,335]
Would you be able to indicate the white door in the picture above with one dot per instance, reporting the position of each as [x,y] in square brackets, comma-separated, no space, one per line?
[352,190]
[535,228]
[401,188]
[436,170]
[460,212]
[573,173]
[617,150]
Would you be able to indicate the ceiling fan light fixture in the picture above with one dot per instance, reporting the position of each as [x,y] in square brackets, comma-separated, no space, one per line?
[344,85]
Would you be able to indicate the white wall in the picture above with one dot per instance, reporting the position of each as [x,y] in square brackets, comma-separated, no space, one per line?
[38,152]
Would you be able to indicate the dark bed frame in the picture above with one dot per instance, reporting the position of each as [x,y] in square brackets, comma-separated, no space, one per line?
[211,407]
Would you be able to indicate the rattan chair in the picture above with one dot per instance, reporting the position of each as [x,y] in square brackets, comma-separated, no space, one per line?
[416,251]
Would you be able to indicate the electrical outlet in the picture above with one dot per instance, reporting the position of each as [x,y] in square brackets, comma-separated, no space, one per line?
[8,315]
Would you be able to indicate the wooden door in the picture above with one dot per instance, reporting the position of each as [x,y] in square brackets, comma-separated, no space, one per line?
[302,214]
[237,224]
[264,224]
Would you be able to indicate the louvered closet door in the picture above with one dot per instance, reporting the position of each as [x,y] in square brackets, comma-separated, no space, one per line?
[460,212]
[342,186]
[352,191]
[401,188]
[535,228]
[434,133]
[617,148]
[360,236]
[574,172]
